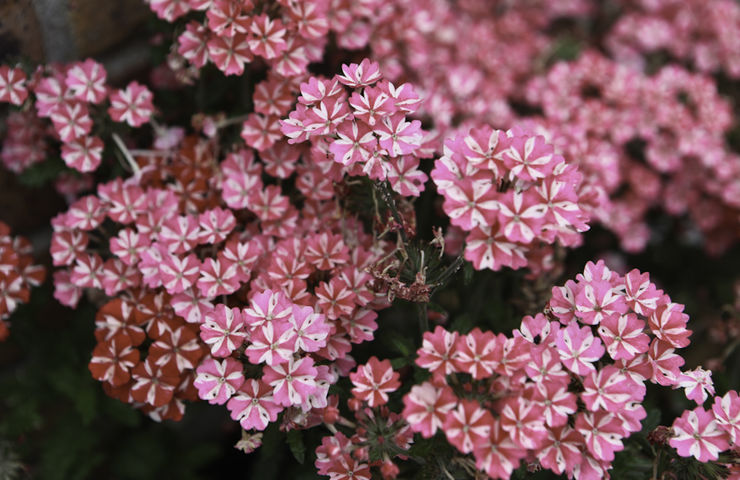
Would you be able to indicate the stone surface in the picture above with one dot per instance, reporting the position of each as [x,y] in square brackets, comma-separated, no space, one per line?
[64,30]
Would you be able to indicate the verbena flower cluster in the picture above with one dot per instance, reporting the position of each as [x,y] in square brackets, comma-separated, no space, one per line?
[241,269]
[512,195]
[18,273]
[73,99]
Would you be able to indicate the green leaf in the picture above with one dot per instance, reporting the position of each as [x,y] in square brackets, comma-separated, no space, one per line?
[297,448]
[399,362]
[42,173]
[468,273]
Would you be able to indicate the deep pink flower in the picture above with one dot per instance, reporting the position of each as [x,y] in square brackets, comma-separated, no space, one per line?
[253,405]
[230,53]
[362,75]
[83,154]
[132,105]
[524,421]
[602,433]
[71,120]
[273,342]
[477,354]
[468,426]
[217,381]
[437,352]
[266,36]
[498,455]
[727,414]
[623,336]
[697,434]
[578,348]
[223,330]
[12,85]
[86,81]
[373,381]
[292,381]
[668,323]
[426,407]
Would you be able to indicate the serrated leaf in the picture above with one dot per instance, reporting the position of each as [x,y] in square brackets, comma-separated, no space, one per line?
[297,447]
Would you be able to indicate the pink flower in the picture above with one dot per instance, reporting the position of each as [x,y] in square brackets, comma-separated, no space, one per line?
[578,348]
[530,158]
[468,426]
[560,451]
[292,382]
[470,204]
[373,381]
[727,414]
[230,54]
[668,323]
[267,306]
[169,10]
[397,136]
[608,389]
[355,143]
[193,44]
[497,455]
[86,81]
[523,420]
[437,352]
[362,75]
[697,434]
[602,432]
[521,215]
[487,249]
[132,105]
[697,384]
[477,353]
[83,154]
[641,295]
[665,362]
[260,131]
[273,342]
[266,36]
[623,336]
[215,225]
[253,405]
[426,407]
[71,120]
[223,330]
[597,300]
[311,329]
[217,381]
[12,85]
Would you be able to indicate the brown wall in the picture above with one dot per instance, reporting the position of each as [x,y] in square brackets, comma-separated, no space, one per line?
[63,30]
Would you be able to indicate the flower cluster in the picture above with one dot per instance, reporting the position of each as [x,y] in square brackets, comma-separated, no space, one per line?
[663,145]
[73,99]
[704,33]
[379,434]
[511,194]
[365,133]
[287,35]
[195,261]
[17,275]
[566,389]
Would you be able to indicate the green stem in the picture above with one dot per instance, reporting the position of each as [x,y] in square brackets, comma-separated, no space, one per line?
[423,317]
